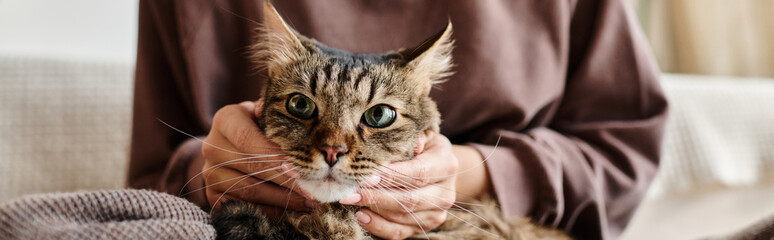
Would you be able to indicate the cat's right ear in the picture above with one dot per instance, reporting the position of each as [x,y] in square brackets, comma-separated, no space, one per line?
[279,45]
[430,62]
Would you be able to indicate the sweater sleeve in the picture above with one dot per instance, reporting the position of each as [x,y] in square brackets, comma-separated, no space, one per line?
[161,158]
[587,170]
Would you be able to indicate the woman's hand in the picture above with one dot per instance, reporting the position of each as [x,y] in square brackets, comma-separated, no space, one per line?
[412,196]
[240,163]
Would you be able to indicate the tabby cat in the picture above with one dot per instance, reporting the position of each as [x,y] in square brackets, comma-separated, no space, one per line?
[340,116]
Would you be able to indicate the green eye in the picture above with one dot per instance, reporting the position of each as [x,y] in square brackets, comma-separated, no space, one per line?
[301,106]
[379,116]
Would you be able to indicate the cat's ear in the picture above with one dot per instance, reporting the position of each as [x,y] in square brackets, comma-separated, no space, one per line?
[279,44]
[430,62]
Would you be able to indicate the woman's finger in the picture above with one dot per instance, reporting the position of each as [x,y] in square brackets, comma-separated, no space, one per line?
[236,184]
[403,200]
[383,228]
[426,220]
[435,164]
[237,124]
[264,166]
[216,198]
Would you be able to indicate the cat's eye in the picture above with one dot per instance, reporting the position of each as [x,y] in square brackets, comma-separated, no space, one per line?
[379,116]
[301,106]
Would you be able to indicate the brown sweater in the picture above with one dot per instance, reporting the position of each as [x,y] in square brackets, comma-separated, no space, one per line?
[569,87]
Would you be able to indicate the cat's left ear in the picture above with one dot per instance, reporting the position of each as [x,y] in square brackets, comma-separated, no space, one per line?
[280,45]
[430,62]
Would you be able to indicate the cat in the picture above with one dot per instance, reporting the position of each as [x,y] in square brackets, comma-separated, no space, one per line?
[340,116]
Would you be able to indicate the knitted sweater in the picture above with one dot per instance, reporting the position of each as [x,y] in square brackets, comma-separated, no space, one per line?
[115,214]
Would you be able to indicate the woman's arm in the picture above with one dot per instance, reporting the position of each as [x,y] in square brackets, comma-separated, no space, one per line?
[159,156]
[190,63]
[588,168]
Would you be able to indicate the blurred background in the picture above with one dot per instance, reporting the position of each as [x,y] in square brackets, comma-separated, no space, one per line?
[713,37]
[66,72]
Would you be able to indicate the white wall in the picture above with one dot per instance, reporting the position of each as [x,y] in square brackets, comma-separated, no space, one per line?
[69,29]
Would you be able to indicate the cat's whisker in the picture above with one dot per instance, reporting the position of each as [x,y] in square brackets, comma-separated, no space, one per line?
[369,196]
[439,186]
[251,185]
[212,145]
[290,192]
[371,202]
[267,180]
[250,162]
[454,174]
[488,156]
[468,203]
[404,183]
[233,162]
[217,201]
[228,163]
[393,170]
[453,204]
[411,213]
[242,161]
[242,177]
[409,185]
[288,180]
[256,161]
[245,177]
[387,175]
[445,210]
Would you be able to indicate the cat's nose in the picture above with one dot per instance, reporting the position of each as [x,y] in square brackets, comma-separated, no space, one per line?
[332,153]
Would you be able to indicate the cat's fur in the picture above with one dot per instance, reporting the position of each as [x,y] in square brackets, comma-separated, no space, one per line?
[343,85]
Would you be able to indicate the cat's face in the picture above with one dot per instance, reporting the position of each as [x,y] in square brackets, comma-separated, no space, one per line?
[340,116]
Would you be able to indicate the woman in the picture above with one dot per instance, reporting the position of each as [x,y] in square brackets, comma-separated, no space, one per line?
[561,97]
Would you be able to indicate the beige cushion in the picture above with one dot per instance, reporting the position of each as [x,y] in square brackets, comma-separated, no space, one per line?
[64,125]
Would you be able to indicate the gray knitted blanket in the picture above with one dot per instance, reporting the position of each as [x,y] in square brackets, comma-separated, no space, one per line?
[143,214]
[115,214]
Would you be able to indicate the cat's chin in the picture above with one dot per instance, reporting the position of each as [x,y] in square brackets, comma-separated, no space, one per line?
[326,191]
